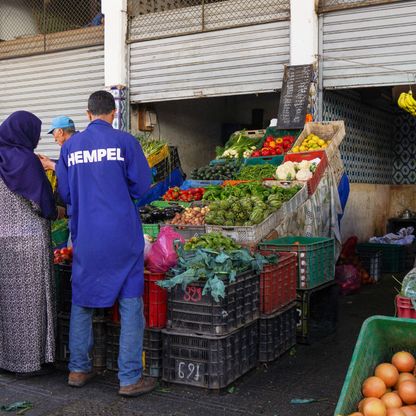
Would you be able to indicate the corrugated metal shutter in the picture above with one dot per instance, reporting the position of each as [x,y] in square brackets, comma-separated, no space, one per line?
[369,46]
[51,85]
[226,62]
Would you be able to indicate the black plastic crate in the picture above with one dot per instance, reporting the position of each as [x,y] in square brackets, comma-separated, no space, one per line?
[317,312]
[165,167]
[277,333]
[190,311]
[208,361]
[372,262]
[98,353]
[152,350]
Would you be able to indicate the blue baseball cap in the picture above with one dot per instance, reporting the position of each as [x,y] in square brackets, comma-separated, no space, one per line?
[61,122]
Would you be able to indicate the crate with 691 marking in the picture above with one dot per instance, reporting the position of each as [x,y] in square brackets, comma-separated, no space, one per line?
[209,361]
[191,311]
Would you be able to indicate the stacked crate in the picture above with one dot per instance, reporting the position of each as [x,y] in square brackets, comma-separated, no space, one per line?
[211,344]
[155,306]
[277,325]
[316,293]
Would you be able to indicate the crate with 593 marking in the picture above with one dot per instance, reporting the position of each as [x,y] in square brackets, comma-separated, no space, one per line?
[191,311]
[209,361]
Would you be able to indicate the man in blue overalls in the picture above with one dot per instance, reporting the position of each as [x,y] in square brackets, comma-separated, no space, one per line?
[100,172]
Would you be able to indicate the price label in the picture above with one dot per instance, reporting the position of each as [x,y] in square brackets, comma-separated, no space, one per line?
[192,294]
[190,372]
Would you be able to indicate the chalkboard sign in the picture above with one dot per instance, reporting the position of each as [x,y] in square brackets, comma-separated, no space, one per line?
[294,97]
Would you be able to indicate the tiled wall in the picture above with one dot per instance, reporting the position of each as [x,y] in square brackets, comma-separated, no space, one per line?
[404,170]
[367,149]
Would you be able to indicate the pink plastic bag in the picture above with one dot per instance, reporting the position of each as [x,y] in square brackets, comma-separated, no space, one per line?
[348,279]
[162,256]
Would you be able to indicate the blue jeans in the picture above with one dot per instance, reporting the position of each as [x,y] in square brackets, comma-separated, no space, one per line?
[81,340]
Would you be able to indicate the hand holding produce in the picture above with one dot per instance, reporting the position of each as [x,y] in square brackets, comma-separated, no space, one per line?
[312,142]
[219,172]
[191,216]
[275,146]
[379,400]
[189,195]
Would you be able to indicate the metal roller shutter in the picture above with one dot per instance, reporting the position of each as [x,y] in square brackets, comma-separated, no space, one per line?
[211,64]
[369,46]
[51,85]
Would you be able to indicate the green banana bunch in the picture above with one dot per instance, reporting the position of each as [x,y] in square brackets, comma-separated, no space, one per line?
[407,102]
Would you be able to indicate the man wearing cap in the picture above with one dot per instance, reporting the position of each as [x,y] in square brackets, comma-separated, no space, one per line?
[62,129]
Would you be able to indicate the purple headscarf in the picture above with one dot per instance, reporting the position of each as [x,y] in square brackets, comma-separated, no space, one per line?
[20,168]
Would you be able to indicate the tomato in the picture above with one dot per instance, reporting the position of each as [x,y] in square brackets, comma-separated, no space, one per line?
[265,152]
[256,153]
[273,152]
[270,139]
[64,251]
[279,150]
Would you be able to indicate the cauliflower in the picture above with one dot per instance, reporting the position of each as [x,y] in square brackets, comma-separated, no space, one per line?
[305,164]
[286,172]
[304,175]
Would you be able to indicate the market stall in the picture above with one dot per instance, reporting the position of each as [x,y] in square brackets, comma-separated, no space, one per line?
[240,257]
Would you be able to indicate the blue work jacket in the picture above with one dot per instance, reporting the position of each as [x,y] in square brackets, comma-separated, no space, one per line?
[100,171]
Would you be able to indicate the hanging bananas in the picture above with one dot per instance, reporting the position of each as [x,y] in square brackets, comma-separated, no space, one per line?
[407,102]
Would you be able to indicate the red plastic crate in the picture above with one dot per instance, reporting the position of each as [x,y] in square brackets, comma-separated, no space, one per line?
[320,169]
[278,283]
[155,302]
[405,307]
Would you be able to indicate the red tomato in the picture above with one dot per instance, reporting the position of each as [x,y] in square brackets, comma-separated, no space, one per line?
[64,251]
[269,139]
[279,150]
[256,153]
[265,152]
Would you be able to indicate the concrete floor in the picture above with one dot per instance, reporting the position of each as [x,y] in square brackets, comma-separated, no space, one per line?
[315,371]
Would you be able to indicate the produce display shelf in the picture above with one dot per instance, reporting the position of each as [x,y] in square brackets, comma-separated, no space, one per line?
[393,255]
[264,160]
[191,311]
[380,337]
[320,169]
[208,361]
[277,333]
[278,283]
[316,258]
[188,231]
[250,234]
[291,206]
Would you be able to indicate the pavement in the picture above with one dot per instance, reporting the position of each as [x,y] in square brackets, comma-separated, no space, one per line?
[315,371]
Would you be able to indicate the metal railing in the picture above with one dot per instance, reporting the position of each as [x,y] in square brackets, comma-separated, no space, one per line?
[30,27]
[332,5]
[165,18]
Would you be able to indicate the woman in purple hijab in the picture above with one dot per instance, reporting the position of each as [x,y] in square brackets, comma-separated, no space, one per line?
[27,311]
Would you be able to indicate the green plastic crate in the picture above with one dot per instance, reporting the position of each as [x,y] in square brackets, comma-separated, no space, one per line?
[167,204]
[393,257]
[151,229]
[380,337]
[316,258]
[263,160]
[60,237]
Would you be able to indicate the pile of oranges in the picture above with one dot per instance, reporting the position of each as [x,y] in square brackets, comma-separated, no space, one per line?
[392,389]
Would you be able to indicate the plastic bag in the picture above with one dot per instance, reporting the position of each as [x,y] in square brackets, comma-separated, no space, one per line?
[162,255]
[348,279]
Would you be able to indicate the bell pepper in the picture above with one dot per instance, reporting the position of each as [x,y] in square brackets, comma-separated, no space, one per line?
[279,140]
[280,150]
[265,152]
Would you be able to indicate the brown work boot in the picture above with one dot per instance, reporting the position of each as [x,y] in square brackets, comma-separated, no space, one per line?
[79,379]
[143,386]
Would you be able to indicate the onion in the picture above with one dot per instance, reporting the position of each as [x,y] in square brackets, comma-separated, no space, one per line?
[356,414]
[407,391]
[404,361]
[395,412]
[388,373]
[392,400]
[374,387]
[374,407]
